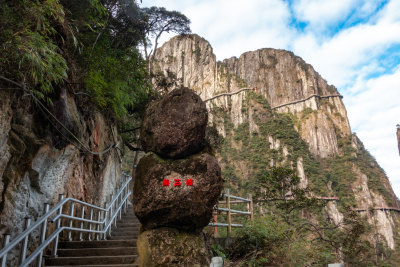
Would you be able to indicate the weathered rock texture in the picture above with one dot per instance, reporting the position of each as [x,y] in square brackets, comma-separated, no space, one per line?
[285,84]
[176,186]
[165,247]
[39,160]
[184,207]
[279,76]
[175,126]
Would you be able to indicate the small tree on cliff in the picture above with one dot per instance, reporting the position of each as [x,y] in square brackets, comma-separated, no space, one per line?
[160,20]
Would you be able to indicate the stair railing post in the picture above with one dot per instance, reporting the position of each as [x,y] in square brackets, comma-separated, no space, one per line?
[215,213]
[58,224]
[105,221]
[6,240]
[115,208]
[126,200]
[120,210]
[24,244]
[117,212]
[82,223]
[70,220]
[98,225]
[251,208]
[90,224]
[110,216]
[228,215]
[42,235]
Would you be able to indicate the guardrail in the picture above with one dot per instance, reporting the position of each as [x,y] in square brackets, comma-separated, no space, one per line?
[229,212]
[92,221]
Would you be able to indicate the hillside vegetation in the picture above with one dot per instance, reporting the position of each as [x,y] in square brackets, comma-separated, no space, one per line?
[298,231]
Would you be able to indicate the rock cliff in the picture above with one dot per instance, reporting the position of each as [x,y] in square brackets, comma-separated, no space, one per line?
[41,159]
[292,117]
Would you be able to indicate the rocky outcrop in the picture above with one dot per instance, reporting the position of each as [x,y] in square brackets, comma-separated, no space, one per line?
[175,126]
[178,194]
[179,204]
[367,199]
[40,160]
[164,247]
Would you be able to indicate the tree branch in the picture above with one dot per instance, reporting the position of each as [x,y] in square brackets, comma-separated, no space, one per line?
[132,148]
[131,130]
[13,82]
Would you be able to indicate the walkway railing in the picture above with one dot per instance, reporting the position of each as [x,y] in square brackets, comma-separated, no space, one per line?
[227,202]
[383,208]
[91,222]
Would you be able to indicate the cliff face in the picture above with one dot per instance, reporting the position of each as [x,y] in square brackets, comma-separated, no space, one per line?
[40,159]
[289,99]
[278,75]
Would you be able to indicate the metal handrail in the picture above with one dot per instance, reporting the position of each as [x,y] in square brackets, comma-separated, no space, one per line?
[54,235]
[229,211]
[111,210]
[234,211]
[238,198]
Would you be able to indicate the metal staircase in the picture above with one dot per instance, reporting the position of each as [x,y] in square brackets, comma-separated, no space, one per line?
[74,232]
[119,250]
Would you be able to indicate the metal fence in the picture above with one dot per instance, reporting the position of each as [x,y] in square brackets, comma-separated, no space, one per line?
[227,211]
[74,218]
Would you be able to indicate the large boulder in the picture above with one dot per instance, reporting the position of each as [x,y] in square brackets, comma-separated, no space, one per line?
[185,206]
[165,247]
[175,125]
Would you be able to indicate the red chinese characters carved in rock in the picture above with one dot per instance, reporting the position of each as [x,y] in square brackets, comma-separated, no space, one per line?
[177,182]
[189,181]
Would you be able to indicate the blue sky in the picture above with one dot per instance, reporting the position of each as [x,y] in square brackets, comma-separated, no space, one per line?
[353,44]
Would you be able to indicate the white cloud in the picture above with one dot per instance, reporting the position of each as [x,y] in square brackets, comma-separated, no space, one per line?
[233,27]
[374,113]
[321,13]
[341,58]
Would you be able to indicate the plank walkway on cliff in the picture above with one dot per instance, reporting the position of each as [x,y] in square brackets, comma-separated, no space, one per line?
[228,94]
[278,106]
[307,98]
[384,208]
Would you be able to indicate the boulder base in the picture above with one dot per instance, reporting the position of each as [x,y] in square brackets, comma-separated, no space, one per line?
[178,204]
[175,126]
[164,247]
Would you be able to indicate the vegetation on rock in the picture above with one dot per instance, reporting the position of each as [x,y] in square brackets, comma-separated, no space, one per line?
[292,227]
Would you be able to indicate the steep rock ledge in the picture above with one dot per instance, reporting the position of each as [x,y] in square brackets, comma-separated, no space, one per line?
[40,160]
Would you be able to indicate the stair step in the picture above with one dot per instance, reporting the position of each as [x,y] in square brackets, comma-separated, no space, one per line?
[129,222]
[125,233]
[92,260]
[97,251]
[123,237]
[130,217]
[98,244]
[125,225]
[125,229]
